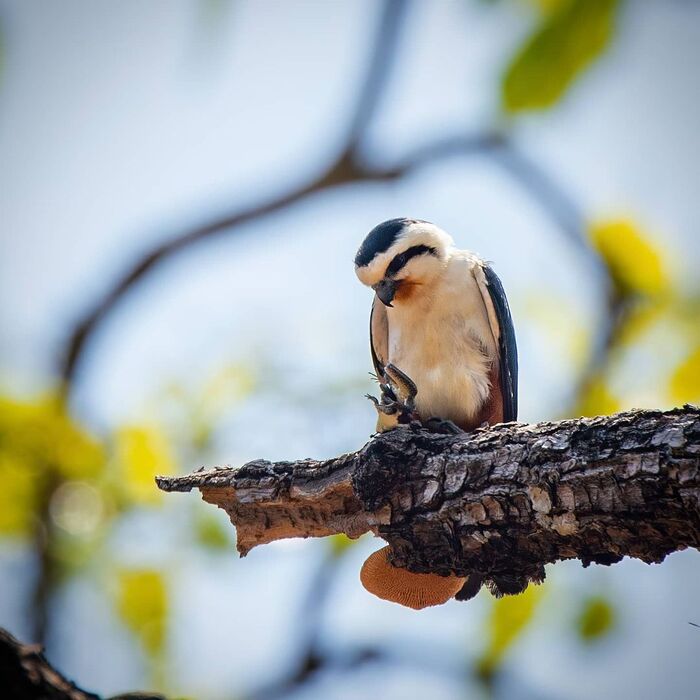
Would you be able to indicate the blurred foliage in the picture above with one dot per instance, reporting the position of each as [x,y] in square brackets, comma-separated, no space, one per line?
[339,544]
[142,603]
[199,409]
[211,532]
[508,620]
[597,399]
[565,42]
[556,319]
[642,296]
[549,6]
[685,381]
[635,265]
[140,453]
[92,481]
[38,437]
[596,619]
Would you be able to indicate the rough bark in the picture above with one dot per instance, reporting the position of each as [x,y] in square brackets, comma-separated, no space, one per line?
[502,501]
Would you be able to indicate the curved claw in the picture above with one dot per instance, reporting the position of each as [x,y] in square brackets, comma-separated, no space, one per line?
[403,386]
[396,406]
[388,408]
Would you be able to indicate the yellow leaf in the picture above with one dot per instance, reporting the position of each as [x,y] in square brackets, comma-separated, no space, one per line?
[140,454]
[685,381]
[635,265]
[37,438]
[548,6]
[564,44]
[41,433]
[509,618]
[597,400]
[340,544]
[142,603]
[18,495]
[597,619]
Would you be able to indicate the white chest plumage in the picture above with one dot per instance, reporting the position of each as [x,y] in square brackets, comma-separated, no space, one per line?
[443,341]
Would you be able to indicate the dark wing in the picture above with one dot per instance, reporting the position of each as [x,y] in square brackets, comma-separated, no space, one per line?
[378,336]
[504,333]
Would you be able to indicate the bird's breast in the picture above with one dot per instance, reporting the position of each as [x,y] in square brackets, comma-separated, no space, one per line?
[444,356]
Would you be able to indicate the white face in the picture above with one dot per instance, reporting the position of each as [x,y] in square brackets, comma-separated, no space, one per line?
[418,269]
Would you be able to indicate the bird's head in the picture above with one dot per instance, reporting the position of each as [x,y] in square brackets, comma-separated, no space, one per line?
[401,255]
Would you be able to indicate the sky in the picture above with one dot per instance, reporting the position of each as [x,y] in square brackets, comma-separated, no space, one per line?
[121,124]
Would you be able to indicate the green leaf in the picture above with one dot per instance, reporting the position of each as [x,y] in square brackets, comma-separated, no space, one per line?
[339,544]
[509,618]
[142,603]
[211,532]
[596,619]
[564,44]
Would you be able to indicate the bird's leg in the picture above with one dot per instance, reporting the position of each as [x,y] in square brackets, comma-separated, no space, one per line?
[396,405]
[440,425]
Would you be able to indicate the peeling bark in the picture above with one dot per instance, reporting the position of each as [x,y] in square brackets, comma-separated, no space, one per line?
[501,502]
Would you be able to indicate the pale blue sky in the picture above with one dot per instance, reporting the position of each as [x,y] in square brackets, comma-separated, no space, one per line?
[122,122]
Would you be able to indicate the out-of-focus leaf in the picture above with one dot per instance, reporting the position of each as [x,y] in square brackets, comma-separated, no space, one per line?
[42,433]
[510,616]
[200,409]
[38,437]
[597,399]
[340,544]
[685,380]
[635,264]
[18,495]
[548,6]
[211,532]
[142,603]
[141,453]
[556,320]
[561,48]
[639,319]
[596,620]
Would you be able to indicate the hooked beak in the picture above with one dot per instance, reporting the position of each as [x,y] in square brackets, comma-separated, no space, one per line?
[385,290]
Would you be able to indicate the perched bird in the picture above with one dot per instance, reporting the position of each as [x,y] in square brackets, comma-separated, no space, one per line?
[441,317]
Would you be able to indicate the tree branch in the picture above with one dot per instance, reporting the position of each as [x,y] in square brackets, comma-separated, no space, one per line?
[25,674]
[502,501]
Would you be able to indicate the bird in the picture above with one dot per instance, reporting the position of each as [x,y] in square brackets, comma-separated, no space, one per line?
[440,317]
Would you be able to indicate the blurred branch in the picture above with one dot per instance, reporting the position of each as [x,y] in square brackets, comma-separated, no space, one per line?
[349,167]
[502,501]
[25,674]
[343,171]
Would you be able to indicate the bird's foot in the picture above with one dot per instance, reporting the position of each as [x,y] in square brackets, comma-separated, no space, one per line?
[445,427]
[396,405]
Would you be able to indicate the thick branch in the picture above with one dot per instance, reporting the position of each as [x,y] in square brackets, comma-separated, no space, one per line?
[501,501]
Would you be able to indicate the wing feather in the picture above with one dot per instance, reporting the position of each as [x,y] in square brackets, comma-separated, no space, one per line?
[503,331]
